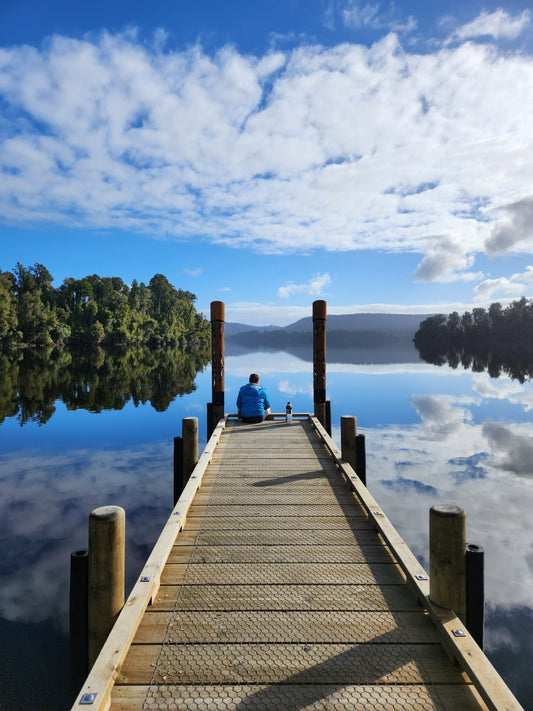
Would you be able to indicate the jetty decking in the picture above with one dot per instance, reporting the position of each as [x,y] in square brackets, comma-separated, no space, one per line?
[286,587]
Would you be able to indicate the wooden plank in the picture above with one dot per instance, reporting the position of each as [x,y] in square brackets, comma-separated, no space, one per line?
[285,626]
[318,698]
[285,597]
[289,663]
[272,574]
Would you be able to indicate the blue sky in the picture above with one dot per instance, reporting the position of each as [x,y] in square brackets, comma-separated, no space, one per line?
[269,153]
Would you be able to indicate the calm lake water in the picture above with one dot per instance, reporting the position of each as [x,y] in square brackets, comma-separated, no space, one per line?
[433,435]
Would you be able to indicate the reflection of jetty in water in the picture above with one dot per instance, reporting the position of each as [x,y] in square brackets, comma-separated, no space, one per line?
[94,380]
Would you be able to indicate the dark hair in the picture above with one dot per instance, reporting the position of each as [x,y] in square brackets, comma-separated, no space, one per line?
[254,378]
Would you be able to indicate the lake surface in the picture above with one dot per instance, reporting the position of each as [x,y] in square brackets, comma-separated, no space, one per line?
[433,435]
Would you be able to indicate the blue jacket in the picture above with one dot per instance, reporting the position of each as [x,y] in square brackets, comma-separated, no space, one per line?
[252,400]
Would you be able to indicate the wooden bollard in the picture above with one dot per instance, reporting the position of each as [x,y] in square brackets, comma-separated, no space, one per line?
[189,430]
[348,435]
[78,601]
[107,529]
[319,360]
[178,467]
[360,457]
[216,407]
[475,592]
[447,567]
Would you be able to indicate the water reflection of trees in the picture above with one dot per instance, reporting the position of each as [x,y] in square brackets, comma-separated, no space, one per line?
[514,362]
[32,381]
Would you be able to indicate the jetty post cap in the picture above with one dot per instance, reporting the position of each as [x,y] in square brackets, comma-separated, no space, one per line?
[217,311]
[320,309]
[108,513]
[447,510]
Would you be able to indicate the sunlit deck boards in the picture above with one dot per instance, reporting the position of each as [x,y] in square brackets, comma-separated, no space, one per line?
[280,594]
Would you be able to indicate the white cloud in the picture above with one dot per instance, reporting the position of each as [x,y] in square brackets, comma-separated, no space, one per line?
[498,24]
[345,148]
[445,260]
[192,272]
[516,285]
[516,227]
[314,287]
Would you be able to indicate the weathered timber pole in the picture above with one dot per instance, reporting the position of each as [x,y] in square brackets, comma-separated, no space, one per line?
[319,362]
[189,429]
[475,592]
[360,457]
[447,566]
[215,409]
[178,467]
[78,601]
[107,529]
[348,435]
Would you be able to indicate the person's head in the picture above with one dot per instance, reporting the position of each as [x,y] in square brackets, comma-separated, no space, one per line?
[254,378]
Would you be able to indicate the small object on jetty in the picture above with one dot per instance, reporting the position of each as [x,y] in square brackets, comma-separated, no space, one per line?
[288,413]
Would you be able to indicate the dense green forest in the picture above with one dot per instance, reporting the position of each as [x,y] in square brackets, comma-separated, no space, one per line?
[496,339]
[95,311]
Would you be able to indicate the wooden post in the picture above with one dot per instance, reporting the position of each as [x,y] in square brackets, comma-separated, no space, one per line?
[217,363]
[360,457]
[348,435]
[78,601]
[447,568]
[189,429]
[475,592]
[178,467]
[107,528]
[319,360]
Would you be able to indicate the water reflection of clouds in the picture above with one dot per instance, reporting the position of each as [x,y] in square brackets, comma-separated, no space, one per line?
[482,468]
[44,512]
[441,417]
[285,386]
[504,389]
[511,450]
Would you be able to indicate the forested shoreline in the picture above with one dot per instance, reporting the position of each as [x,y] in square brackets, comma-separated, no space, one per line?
[496,339]
[95,311]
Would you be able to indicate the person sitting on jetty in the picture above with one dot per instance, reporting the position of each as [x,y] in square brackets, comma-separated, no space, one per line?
[253,402]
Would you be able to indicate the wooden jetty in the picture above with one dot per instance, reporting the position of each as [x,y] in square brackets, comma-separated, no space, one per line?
[279,583]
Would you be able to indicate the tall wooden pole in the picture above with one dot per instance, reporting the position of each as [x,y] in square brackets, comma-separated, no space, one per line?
[216,408]
[319,360]
[447,565]
[107,534]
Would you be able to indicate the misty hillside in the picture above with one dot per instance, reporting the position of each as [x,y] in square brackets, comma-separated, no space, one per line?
[382,326]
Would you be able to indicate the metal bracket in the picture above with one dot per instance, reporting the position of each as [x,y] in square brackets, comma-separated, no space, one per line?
[88,699]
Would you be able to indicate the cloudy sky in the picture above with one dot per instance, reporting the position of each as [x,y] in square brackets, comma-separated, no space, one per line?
[374,154]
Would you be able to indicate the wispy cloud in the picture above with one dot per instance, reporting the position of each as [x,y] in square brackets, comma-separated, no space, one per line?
[314,287]
[358,14]
[498,24]
[341,148]
[192,272]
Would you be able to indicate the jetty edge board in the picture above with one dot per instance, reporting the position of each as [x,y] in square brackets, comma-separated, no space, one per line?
[464,649]
[96,692]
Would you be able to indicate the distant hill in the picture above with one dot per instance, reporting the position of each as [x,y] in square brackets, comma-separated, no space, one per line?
[369,334]
[381,325]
